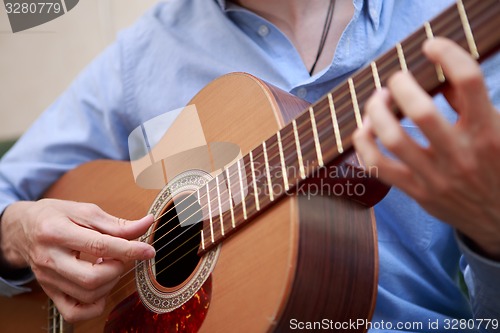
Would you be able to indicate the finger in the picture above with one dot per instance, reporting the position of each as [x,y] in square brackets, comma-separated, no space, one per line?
[73,310]
[88,275]
[102,245]
[54,280]
[417,105]
[465,76]
[392,136]
[93,217]
[389,171]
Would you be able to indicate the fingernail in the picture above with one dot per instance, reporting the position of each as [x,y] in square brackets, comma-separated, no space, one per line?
[149,216]
[149,253]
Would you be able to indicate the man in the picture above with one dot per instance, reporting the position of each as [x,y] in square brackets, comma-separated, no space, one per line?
[171,53]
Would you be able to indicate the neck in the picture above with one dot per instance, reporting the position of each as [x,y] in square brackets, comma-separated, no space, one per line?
[303,23]
[287,13]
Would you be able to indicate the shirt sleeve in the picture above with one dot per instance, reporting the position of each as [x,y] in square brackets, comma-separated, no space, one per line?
[10,288]
[85,123]
[482,277]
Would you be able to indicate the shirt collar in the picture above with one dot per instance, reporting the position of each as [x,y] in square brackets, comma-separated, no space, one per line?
[374,9]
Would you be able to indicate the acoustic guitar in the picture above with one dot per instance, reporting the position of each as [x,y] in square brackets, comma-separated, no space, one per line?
[244,246]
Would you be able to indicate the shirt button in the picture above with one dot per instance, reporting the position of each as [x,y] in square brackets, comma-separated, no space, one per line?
[302,92]
[263,30]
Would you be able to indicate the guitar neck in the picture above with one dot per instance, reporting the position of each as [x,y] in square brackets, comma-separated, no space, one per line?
[323,133]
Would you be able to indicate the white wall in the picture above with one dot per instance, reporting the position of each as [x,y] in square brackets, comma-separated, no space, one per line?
[36,65]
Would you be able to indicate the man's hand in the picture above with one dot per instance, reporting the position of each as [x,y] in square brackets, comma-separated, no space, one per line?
[51,235]
[457,177]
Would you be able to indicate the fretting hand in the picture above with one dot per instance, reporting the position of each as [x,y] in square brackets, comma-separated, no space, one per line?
[457,177]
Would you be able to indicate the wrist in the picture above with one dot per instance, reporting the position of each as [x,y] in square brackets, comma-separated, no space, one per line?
[11,260]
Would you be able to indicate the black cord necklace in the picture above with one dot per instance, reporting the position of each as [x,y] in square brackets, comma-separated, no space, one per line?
[326,29]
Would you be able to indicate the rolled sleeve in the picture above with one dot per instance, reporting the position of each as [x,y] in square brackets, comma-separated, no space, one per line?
[11,288]
[482,277]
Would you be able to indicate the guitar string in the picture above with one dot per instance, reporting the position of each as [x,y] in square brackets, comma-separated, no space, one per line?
[380,66]
[343,94]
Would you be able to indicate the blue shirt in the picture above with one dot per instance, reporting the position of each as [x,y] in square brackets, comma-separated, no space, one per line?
[175,50]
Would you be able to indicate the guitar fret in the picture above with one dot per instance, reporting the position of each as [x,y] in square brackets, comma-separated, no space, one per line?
[53,321]
[243,205]
[282,160]
[401,56]
[220,206]
[467,30]
[254,181]
[202,240]
[54,316]
[202,237]
[439,69]
[268,172]
[210,214]
[375,75]
[61,323]
[336,130]
[299,150]
[316,137]
[354,100]
[230,198]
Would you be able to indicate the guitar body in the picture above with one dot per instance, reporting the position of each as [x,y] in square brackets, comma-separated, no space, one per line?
[307,258]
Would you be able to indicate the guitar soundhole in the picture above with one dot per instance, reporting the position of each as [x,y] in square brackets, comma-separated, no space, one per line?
[176,241]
